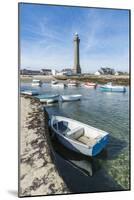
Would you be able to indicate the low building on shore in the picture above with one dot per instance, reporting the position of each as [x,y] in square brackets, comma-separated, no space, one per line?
[66,72]
[46,71]
[29,72]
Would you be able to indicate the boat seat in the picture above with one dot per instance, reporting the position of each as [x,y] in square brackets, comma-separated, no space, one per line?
[86,140]
[76,133]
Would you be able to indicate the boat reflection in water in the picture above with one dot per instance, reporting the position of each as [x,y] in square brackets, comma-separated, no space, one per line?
[81,162]
[82,173]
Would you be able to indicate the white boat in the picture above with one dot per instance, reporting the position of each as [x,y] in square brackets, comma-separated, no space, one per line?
[58,85]
[112,88]
[36,82]
[90,85]
[30,92]
[72,84]
[73,97]
[54,82]
[78,136]
[48,98]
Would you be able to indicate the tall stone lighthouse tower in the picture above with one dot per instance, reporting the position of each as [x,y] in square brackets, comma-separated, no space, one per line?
[76,68]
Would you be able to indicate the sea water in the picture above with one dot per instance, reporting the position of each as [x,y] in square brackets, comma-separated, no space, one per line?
[103,110]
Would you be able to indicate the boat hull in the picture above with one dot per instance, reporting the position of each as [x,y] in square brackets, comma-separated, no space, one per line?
[58,85]
[48,99]
[71,84]
[89,86]
[113,89]
[70,98]
[74,147]
[96,149]
[31,93]
[36,84]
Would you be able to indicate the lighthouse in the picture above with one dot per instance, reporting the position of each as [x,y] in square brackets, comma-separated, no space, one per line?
[76,67]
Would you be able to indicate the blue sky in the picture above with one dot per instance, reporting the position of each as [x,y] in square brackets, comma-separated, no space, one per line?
[46,37]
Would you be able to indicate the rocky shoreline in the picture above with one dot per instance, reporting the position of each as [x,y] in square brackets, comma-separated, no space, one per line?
[38,174]
[101,79]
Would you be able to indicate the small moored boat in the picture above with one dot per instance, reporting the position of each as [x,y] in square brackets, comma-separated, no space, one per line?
[71,84]
[30,92]
[58,85]
[54,82]
[112,88]
[48,98]
[90,85]
[36,82]
[73,97]
[78,136]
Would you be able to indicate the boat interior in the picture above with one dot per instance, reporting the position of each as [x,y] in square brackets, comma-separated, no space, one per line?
[75,133]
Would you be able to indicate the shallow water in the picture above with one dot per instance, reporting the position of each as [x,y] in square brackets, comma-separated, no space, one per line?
[104,110]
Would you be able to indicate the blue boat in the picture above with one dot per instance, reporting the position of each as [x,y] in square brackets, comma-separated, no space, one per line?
[112,88]
[30,92]
[48,98]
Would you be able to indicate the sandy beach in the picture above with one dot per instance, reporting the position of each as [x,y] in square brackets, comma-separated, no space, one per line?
[38,174]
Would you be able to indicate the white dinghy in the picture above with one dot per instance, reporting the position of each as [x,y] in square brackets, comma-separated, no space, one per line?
[78,136]
[36,82]
[58,85]
[71,84]
[74,97]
